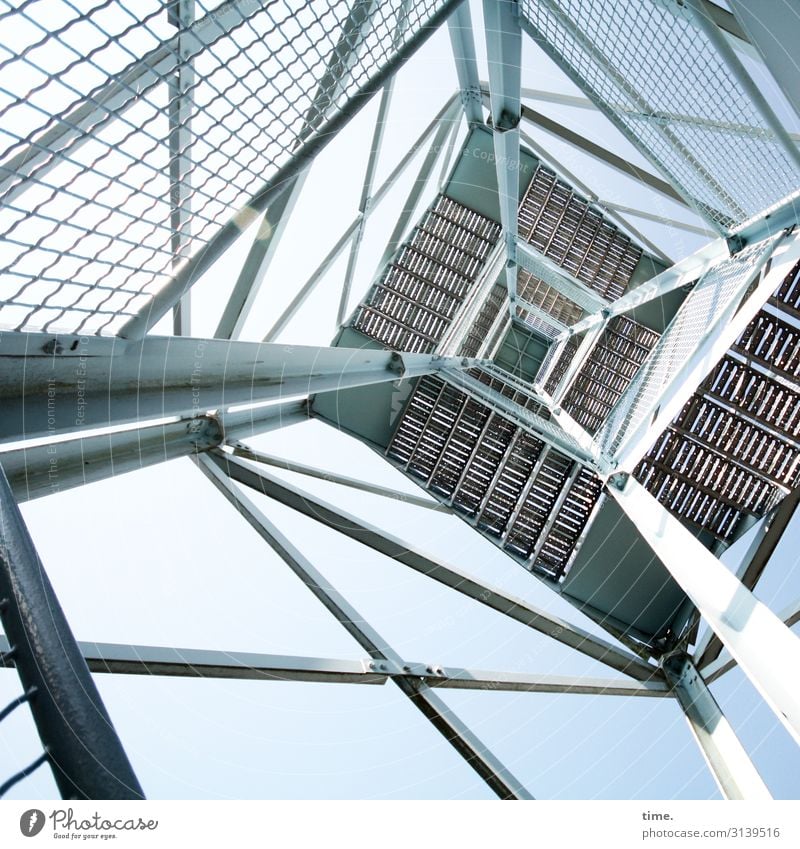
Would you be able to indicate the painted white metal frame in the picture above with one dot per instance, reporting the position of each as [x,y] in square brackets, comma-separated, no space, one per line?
[761,644]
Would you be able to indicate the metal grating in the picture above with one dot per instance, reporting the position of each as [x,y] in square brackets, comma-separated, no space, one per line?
[609,369]
[734,448]
[723,285]
[520,492]
[415,301]
[479,331]
[563,226]
[535,291]
[559,367]
[88,154]
[656,75]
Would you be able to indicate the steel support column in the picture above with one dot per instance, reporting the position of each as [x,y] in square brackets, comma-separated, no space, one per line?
[79,739]
[180,14]
[259,257]
[727,759]
[488,767]
[365,199]
[462,42]
[504,53]
[753,563]
[764,647]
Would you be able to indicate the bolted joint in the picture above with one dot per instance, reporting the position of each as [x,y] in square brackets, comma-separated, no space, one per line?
[53,347]
[675,665]
[396,364]
[206,432]
[736,244]
[618,480]
[506,121]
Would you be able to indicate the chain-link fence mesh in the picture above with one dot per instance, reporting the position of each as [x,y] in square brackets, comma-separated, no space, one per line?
[654,72]
[89,189]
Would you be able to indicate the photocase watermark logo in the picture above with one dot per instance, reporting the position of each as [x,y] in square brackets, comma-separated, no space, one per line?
[65,824]
[31,822]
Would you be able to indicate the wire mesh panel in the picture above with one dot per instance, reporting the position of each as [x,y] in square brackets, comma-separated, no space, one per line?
[653,71]
[723,285]
[417,298]
[88,88]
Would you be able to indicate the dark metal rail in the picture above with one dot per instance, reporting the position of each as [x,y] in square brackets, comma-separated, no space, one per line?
[79,740]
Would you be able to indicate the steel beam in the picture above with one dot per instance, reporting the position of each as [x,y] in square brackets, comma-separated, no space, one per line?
[762,645]
[659,219]
[259,257]
[488,767]
[365,199]
[752,564]
[180,82]
[350,233]
[504,54]
[462,42]
[252,421]
[397,549]
[202,663]
[332,477]
[191,271]
[727,759]
[601,154]
[663,117]
[54,467]
[59,390]
[79,739]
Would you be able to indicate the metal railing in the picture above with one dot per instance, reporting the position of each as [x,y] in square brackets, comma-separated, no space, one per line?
[88,150]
